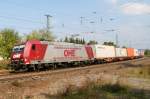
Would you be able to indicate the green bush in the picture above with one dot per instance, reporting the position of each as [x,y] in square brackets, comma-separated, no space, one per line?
[114,88]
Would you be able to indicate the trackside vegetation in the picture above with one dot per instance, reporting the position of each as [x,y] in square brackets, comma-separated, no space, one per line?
[140,72]
[147,52]
[8,38]
[4,64]
[105,92]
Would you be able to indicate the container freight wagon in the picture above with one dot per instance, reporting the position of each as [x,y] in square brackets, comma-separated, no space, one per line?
[136,53]
[104,53]
[141,52]
[130,53]
[121,53]
[38,54]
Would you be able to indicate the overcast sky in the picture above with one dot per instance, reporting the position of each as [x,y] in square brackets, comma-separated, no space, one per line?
[102,19]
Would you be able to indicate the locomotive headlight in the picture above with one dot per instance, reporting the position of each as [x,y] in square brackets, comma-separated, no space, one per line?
[25,60]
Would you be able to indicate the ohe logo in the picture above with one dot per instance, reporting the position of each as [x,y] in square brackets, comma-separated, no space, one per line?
[69,53]
[16,56]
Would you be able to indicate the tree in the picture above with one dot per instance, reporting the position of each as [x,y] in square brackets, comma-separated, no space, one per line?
[92,42]
[66,39]
[124,47]
[109,43]
[74,40]
[147,52]
[41,34]
[34,35]
[8,38]
[77,41]
[83,41]
[61,40]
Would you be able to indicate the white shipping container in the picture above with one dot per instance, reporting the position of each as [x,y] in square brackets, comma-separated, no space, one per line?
[141,52]
[121,52]
[136,52]
[102,51]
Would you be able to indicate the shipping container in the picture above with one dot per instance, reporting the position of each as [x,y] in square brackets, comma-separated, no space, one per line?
[136,53]
[121,52]
[141,52]
[102,51]
[130,52]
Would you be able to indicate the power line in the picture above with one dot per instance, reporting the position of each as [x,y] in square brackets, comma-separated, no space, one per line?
[2,26]
[13,26]
[22,6]
[20,19]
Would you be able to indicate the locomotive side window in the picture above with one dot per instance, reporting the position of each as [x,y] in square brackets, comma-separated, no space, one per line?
[33,47]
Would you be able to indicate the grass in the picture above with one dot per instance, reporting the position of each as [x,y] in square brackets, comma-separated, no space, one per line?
[142,72]
[16,84]
[4,64]
[104,92]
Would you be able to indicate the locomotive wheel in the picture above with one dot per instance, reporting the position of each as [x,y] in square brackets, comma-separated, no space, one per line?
[31,68]
[16,68]
[38,67]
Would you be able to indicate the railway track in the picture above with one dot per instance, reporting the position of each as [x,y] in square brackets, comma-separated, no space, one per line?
[8,78]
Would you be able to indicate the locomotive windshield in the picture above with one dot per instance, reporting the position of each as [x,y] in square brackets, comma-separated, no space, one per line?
[18,48]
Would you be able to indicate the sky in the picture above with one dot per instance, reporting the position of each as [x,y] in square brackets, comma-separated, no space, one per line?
[102,19]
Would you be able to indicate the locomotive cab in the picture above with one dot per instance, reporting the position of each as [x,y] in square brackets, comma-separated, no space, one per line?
[17,55]
[25,55]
